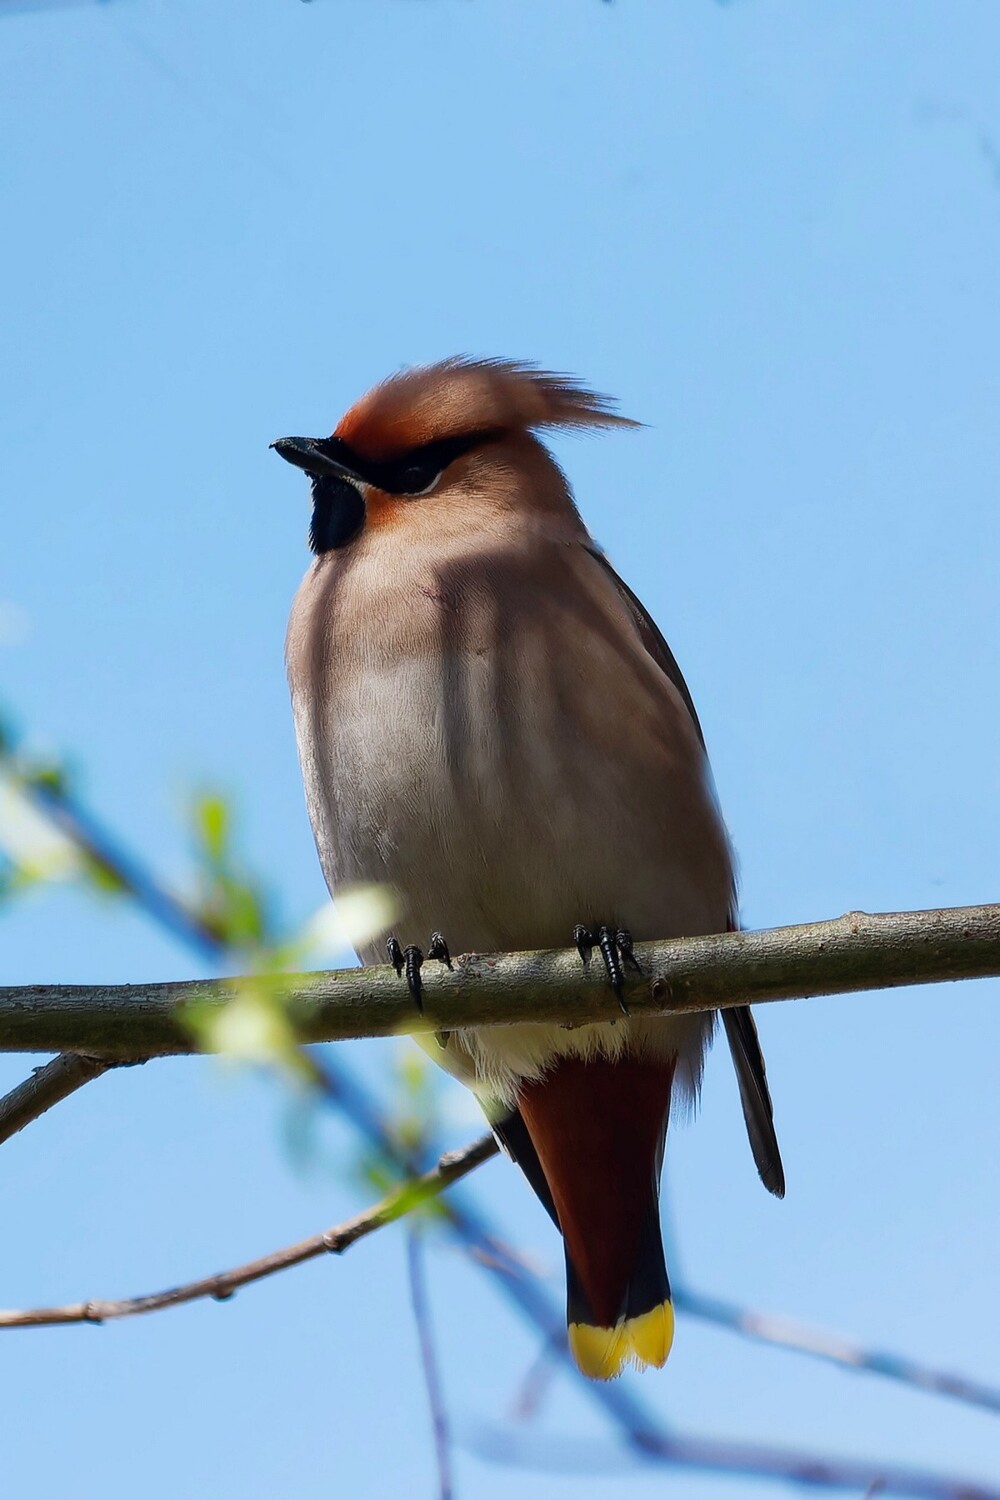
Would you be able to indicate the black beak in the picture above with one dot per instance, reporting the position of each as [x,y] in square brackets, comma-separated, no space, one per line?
[311,454]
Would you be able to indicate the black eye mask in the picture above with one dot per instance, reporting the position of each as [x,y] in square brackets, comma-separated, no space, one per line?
[335,469]
[412,473]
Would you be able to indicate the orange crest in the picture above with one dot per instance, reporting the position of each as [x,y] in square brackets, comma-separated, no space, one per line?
[462,395]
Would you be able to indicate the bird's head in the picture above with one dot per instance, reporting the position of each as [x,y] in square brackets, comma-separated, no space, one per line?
[443,438]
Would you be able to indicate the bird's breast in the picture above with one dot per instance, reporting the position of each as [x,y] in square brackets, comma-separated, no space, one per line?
[493,742]
[406,738]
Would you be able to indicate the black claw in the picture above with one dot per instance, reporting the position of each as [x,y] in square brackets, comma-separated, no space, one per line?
[409,960]
[624,940]
[584,940]
[412,961]
[395,955]
[439,950]
[612,962]
[615,946]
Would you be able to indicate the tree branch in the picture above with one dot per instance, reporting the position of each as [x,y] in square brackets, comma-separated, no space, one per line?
[859,951]
[47,1086]
[221,1286]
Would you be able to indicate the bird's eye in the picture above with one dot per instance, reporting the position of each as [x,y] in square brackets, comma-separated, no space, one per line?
[418,479]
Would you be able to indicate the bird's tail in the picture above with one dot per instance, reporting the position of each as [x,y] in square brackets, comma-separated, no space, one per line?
[589,1137]
[643,1333]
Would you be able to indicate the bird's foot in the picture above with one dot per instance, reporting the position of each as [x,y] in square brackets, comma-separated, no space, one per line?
[615,944]
[410,960]
[439,950]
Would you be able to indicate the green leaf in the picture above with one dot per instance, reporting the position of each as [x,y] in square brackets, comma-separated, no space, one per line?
[213,825]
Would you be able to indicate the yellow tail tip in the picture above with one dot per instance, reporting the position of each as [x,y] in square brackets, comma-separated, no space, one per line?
[651,1335]
[602,1353]
[599,1352]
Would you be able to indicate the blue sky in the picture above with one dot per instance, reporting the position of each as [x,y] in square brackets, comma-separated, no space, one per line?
[772,230]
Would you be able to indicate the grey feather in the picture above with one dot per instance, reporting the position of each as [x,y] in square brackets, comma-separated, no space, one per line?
[748,1060]
[741,1031]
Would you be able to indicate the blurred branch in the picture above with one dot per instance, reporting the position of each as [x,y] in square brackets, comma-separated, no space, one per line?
[541,1372]
[721,1456]
[788,1333]
[428,1360]
[223,1284]
[855,952]
[120,871]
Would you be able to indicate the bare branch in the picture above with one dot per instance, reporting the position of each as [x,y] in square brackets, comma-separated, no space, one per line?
[47,1086]
[858,951]
[223,1284]
[788,1333]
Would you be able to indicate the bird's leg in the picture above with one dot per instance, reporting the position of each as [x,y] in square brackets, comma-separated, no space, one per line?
[612,962]
[584,940]
[623,938]
[409,960]
[615,946]
[439,950]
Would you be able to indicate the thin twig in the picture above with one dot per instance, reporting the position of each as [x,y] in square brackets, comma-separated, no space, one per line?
[536,1383]
[223,1284]
[428,1360]
[47,1086]
[790,1334]
[859,951]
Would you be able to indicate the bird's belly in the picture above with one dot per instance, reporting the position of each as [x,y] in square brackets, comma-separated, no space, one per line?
[497,815]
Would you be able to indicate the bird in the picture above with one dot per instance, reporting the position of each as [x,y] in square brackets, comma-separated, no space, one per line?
[491,726]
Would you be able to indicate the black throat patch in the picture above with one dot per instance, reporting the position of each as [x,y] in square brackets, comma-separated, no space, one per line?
[338,513]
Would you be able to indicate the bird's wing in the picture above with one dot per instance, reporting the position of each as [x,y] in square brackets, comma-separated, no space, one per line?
[748,1060]
[741,1032]
[652,637]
